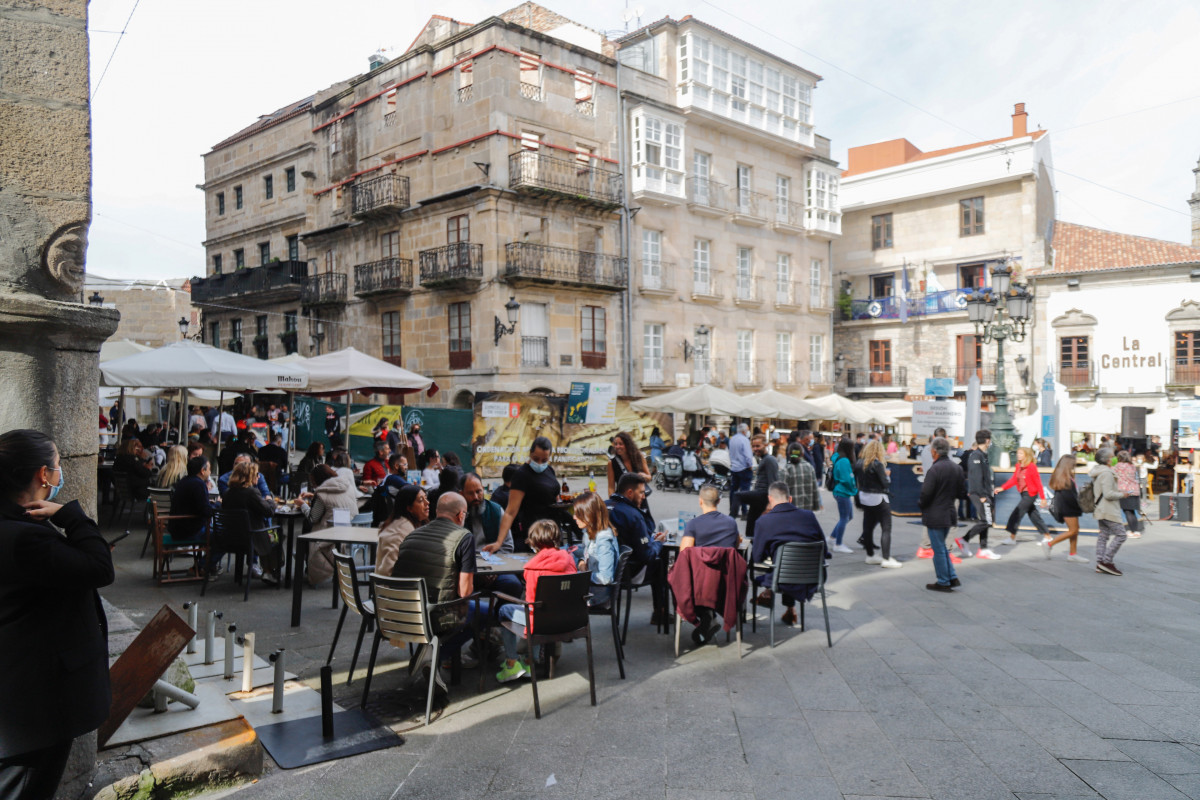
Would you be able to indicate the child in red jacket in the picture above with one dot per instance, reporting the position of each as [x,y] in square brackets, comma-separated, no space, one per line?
[1028,482]
[544,538]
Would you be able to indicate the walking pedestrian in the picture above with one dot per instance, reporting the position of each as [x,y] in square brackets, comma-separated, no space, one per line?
[981,492]
[874,483]
[939,495]
[1107,513]
[1065,507]
[1129,485]
[1028,482]
[844,489]
[741,467]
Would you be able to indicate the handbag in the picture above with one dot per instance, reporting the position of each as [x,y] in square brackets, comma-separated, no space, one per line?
[1055,509]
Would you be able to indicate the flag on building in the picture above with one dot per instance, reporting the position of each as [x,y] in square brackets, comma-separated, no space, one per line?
[902,300]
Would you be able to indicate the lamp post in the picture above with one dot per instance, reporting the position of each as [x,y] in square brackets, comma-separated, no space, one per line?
[700,347]
[999,313]
[96,299]
[513,309]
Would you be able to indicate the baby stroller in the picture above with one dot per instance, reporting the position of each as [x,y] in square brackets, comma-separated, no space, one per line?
[693,472]
[670,473]
[719,476]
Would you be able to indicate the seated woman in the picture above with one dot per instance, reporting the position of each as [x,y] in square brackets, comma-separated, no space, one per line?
[600,552]
[447,481]
[544,538]
[174,470]
[131,461]
[244,494]
[343,465]
[430,464]
[329,491]
[314,455]
[410,510]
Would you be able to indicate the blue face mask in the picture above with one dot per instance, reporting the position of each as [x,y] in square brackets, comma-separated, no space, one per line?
[539,468]
[54,490]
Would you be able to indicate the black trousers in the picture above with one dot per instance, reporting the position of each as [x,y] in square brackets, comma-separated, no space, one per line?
[880,515]
[1027,505]
[34,775]
[985,508]
[756,504]
[1130,506]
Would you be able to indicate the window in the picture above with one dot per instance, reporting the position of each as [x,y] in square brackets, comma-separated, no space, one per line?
[389,244]
[466,81]
[1073,366]
[335,136]
[1187,358]
[261,342]
[290,337]
[220,202]
[531,76]
[330,260]
[745,273]
[652,354]
[783,191]
[881,231]
[745,357]
[268,187]
[289,320]
[593,351]
[239,258]
[702,192]
[460,335]
[217,264]
[744,198]
[214,334]
[783,278]
[880,354]
[458,229]
[784,374]
[821,200]
[388,106]
[289,177]
[972,216]
[535,335]
[293,248]
[818,371]
[882,285]
[264,252]
[969,358]
[237,197]
[585,102]
[652,268]
[702,354]
[972,276]
[235,335]
[815,268]
[702,278]
[658,150]
[390,325]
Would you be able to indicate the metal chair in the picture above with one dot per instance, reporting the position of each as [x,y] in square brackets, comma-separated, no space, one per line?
[612,608]
[629,587]
[804,563]
[158,495]
[166,548]
[232,534]
[123,502]
[350,589]
[562,617]
[404,615]
[740,620]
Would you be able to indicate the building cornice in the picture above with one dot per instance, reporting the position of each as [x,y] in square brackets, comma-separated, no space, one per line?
[245,232]
[258,166]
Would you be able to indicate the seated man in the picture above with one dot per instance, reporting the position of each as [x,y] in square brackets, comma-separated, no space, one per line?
[711,528]
[783,522]
[375,470]
[397,473]
[442,553]
[634,528]
[190,499]
[274,453]
[676,449]
[261,484]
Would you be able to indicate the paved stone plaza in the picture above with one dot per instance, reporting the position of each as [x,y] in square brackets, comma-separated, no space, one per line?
[1036,680]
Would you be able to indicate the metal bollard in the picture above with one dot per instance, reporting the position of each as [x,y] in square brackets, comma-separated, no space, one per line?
[160,701]
[193,610]
[164,690]
[276,658]
[248,662]
[229,650]
[210,633]
[327,701]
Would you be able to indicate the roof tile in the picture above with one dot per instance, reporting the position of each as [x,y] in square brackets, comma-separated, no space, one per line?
[1078,248]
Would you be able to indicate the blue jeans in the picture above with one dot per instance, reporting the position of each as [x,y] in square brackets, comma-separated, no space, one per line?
[942,565]
[739,482]
[467,632]
[516,614]
[845,507]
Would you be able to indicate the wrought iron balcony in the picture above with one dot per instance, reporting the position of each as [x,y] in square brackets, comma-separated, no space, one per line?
[535,351]
[1080,375]
[820,373]
[749,208]
[706,287]
[274,282]
[788,294]
[787,217]
[384,276]
[452,265]
[747,291]
[326,289]
[961,373]
[381,194]
[706,197]
[707,370]
[534,172]
[787,373]
[1184,372]
[748,372]
[919,305]
[896,377]
[656,277]
[660,372]
[539,263]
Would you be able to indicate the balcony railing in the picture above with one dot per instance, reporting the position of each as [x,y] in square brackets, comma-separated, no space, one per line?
[535,351]
[383,276]
[656,277]
[787,373]
[820,373]
[787,215]
[919,305]
[1184,373]
[747,372]
[380,194]
[560,265]
[1080,375]
[706,286]
[452,264]
[747,291]
[788,294]
[706,196]
[749,207]
[531,91]
[707,370]
[961,373]
[537,173]
[658,371]
[466,93]
[326,289]
[876,378]
[279,279]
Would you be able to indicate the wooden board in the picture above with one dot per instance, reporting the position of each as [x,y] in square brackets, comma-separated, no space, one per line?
[143,663]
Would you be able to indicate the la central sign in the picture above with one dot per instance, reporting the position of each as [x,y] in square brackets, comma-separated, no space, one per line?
[1130,359]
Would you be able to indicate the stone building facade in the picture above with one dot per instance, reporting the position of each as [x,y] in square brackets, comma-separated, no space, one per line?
[150,310]
[397,211]
[921,230]
[737,210]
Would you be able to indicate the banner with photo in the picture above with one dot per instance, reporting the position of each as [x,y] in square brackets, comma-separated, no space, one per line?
[506,423]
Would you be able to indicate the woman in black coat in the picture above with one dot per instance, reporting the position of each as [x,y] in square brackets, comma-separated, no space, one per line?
[53,633]
[243,494]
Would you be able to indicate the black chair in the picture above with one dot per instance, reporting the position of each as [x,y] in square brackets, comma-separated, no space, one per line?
[629,587]
[799,562]
[123,501]
[612,608]
[232,534]
[562,616]
[350,589]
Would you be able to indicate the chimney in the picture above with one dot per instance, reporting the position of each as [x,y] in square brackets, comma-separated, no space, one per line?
[1020,120]
[376,60]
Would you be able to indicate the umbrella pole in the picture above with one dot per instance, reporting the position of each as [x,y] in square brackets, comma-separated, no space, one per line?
[183,417]
[220,413]
[124,415]
[346,441]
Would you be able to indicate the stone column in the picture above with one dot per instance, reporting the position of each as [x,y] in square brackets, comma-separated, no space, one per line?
[49,340]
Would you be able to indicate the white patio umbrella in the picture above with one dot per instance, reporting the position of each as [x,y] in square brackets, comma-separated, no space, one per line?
[787,406]
[350,370]
[119,348]
[704,399]
[844,409]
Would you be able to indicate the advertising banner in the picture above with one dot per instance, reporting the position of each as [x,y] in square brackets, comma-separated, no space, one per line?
[592,403]
[929,415]
[1189,424]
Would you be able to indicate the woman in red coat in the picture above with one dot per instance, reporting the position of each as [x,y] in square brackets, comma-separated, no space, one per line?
[1028,482]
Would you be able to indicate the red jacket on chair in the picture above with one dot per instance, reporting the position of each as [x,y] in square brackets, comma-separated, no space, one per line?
[709,577]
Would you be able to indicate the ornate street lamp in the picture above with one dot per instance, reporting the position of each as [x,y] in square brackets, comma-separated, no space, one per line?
[513,310]
[701,344]
[1001,313]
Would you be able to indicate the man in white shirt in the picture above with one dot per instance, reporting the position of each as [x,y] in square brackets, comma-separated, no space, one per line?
[227,426]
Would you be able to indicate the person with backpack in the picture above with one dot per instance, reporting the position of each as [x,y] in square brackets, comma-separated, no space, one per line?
[981,492]
[1028,482]
[1064,507]
[842,483]
[1105,498]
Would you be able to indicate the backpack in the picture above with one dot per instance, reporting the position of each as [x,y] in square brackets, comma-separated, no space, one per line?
[964,460]
[829,481]
[1087,498]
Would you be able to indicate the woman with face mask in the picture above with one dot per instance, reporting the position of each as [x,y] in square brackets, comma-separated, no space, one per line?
[53,633]
[534,490]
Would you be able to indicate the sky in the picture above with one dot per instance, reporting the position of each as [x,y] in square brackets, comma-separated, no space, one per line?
[1115,83]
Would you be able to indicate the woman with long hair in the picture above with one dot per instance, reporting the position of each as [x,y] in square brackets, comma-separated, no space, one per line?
[625,458]
[174,469]
[874,483]
[328,491]
[600,550]
[1026,480]
[243,494]
[314,455]
[410,511]
[844,488]
[1066,506]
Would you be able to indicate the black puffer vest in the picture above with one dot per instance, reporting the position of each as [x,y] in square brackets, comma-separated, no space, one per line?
[428,553]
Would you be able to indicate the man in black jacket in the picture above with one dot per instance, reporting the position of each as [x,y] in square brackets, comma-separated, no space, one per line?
[940,491]
[981,487]
[634,527]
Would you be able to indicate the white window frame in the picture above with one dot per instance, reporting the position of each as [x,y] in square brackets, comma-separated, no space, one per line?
[745,273]
[816,276]
[783,278]
[816,358]
[702,277]
[783,358]
[745,356]
[652,353]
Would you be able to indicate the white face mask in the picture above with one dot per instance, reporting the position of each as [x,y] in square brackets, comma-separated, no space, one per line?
[538,467]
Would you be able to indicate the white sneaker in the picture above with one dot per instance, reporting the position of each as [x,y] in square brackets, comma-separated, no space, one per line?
[841,548]
[891,563]
[988,554]
[1045,545]
[256,571]
[964,549]
[875,560]
[1075,558]
[1006,542]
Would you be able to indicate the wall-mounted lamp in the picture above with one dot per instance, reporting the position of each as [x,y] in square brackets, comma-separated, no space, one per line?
[513,309]
[700,346]
[839,365]
[1072,283]
[96,299]
[1022,371]
[318,336]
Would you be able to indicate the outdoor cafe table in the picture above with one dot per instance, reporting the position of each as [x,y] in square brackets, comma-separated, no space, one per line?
[291,514]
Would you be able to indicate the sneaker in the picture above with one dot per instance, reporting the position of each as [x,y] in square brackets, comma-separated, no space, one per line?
[963,548]
[953,558]
[1006,542]
[988,554]
[270,579]
[1110,568]
[924,552]
[1134,535]
[256,571]
[841,548]
[508,674]
[1075,558]
[1045,545]
[874,560]
[891,563]
[938,587]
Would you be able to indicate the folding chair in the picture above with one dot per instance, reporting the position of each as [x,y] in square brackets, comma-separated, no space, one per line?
[799,562]
[612,608]
[162,496]
[350,589]
[166,548]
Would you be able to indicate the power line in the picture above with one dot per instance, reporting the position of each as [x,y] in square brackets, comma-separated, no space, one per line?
[120,36]
[1060,131]
[147,231]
